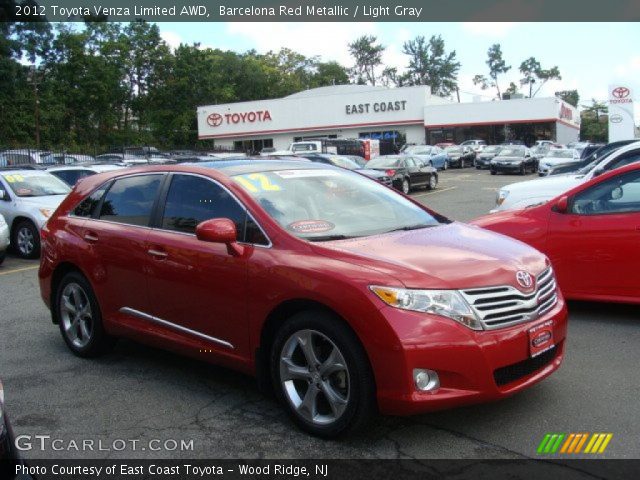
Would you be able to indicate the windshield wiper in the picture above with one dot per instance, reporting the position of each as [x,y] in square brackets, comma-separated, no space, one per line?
[328,238]
[409,227]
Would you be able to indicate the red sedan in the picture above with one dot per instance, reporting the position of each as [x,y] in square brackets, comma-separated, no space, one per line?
[591,234]
[343,295]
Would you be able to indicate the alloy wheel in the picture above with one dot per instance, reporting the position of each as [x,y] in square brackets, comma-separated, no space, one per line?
[26,241]
[315,377]
[76,315]
[405,186]
[433,182]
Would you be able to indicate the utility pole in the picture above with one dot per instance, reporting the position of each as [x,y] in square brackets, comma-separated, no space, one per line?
[34,81]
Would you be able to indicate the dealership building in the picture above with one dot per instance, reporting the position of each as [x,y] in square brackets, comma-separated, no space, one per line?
[402,115]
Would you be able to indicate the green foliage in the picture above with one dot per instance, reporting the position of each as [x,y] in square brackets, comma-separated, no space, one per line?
[497,66]
[430,65]
[367,55]
[570,96]
[593,126]
[533,73]
[112,84]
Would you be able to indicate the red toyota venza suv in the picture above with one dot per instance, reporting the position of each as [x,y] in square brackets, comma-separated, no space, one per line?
[344,296]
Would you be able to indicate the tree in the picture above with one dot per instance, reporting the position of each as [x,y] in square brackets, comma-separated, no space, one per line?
[533,72]
[367,55]
[570,96]
[593,127]
[329,73]
[497,66]
[512,90]
[595,109]
[430,65]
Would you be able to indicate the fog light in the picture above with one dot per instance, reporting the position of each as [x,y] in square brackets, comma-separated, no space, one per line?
[425,380]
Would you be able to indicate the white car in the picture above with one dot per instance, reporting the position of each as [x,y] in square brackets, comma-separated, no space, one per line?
[476,145]
[4,238]
[533,192]
[71,174]
[27,200]
[556,157]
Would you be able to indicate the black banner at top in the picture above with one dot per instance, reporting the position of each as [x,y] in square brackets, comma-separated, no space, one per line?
[319,10]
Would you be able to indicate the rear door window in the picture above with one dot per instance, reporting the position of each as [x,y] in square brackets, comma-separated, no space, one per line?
[130,200]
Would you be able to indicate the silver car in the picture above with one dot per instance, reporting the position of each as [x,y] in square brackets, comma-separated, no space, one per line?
[27,200]
[4,238]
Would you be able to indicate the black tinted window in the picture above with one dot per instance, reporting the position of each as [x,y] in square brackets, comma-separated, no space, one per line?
[71,177]
[89,204]
[130,200]
[192,200]
[631,157]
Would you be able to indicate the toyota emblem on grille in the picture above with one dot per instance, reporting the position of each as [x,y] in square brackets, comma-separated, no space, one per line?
[525,280]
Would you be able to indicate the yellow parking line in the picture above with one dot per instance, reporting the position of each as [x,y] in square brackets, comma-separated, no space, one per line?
[434,192]
[18,270]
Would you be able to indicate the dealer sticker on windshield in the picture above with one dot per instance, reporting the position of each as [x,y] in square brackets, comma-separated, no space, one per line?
[305,173]
[541,338]
[311,226]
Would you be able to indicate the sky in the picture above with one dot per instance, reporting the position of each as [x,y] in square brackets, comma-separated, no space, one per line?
[590,56]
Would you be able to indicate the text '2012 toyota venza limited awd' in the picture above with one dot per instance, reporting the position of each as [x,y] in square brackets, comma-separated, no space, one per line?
[343,295]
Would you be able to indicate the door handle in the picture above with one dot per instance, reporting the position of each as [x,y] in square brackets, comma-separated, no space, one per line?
[159,254]
[90,237]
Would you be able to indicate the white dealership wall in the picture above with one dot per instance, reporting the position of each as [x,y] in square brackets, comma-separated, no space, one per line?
[523,110]
[342,110]
[348,110]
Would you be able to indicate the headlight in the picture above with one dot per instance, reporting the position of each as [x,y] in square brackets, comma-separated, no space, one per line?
[502,195]
[46,212]
[446,303]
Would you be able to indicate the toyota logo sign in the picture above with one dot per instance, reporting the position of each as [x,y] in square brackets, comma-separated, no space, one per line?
[214,120]
[620,92]
[525,280]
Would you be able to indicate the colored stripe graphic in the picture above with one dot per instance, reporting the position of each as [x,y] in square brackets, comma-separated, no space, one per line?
[572,443]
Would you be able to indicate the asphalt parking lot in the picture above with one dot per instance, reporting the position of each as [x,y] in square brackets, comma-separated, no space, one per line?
[141,393]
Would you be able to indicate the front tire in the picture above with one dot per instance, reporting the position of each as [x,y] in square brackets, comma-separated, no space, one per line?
[493,172]
[2,257]
[322,375]
[445,165]
[78,314]
[26,239]
[406,186]
[433,182]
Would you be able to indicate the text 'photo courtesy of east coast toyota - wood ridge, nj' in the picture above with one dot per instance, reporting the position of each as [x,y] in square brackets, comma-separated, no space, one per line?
[324,239]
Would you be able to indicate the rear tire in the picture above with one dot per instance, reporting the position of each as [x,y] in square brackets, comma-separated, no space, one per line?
[523,170]
[2,257]
[25,239]
[321,374]
[493,172]
[77,312]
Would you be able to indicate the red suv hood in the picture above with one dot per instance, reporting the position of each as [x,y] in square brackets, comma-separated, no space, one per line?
[453,256]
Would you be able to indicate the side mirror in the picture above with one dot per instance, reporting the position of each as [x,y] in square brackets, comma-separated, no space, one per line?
[562,204]
[4,195]
[220,230]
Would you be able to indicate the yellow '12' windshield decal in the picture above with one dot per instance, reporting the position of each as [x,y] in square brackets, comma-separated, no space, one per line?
[256,182]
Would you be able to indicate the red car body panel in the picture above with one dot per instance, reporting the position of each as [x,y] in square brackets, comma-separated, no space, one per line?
[204,288]
[595,257]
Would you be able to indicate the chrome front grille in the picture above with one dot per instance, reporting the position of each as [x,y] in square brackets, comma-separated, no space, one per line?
[503,306]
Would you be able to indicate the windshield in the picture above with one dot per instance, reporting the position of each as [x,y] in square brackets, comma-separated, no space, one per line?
[304,147]
[384,162]
[327,204]
[344,162]
[512,152]
[454,149]
[492,149]
[418,150]
[560,154]
[35,184]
